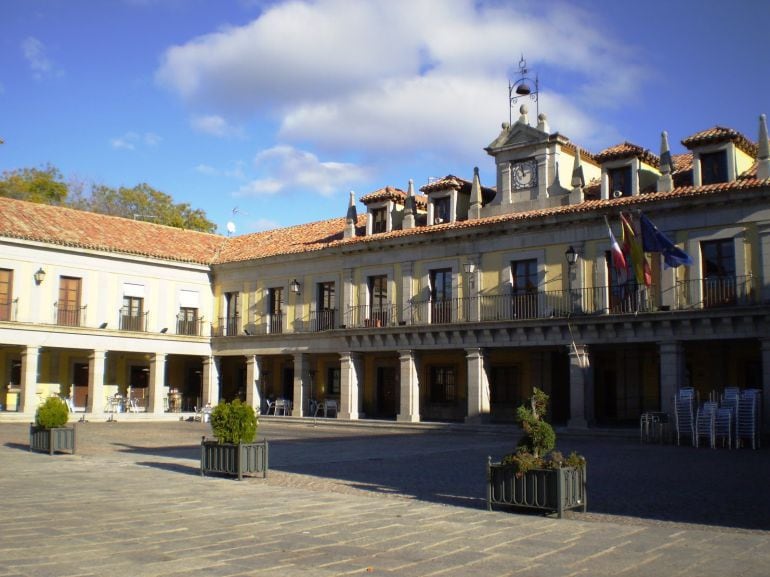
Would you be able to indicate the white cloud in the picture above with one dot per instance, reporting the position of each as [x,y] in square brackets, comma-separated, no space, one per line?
[131,140]
[403,76]
[206,169]
[215,125]
[292,170]
[35,53]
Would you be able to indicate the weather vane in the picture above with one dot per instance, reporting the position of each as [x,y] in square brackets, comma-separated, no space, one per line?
[521,87]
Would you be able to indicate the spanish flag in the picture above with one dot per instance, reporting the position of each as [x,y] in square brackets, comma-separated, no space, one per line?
[632,246]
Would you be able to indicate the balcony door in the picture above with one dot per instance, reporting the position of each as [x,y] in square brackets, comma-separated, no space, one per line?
[719,281]
[276,310]
[441,295]
[68,306]
[327,304]
[378,301]
[524,288]
[6,294]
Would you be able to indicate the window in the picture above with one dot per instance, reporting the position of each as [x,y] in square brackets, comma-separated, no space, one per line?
[620,180]
[719,282]
[333,381]
[68,305]
[505,384]
[6,294]
[187,321]
[276,309]
[231,313]
[713,167]
[524,288]
[378,301]
[441,210]
[132,314]
[441,295]
[379,220]
[442,385]
[327,303]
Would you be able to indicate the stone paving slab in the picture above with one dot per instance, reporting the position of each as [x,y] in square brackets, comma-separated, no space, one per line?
[135,506]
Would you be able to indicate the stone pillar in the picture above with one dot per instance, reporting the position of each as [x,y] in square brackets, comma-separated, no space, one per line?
[478,387]
[671,374]
[301,384]
[765,346]
[96,398]
[407,270]
[350,373]
[580,386]
[763,229]
[210,381]
[28,396]
[409,408]
[157,383]
[253,397]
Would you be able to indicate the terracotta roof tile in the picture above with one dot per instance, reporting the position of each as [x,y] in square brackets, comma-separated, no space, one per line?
[721,134]
[395,194]
[87,230]
[628,150]
[449,181]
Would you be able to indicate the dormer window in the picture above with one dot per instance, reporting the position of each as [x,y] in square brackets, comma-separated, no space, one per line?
[441,210]
[713,167]
[619,181]
[379,220]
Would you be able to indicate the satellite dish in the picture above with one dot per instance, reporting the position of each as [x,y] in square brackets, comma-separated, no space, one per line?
[230,227]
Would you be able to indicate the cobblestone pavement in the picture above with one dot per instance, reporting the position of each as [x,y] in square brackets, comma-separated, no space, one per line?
[342,500]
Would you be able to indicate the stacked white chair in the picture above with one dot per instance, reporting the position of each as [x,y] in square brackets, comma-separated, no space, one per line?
[724,426]
[684,403]
[705,424]
[747,422]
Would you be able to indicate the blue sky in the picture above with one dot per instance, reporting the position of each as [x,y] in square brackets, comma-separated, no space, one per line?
[268,113]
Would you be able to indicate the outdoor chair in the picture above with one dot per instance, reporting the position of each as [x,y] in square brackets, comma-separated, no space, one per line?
[705,424]
[684,420]
[723,426]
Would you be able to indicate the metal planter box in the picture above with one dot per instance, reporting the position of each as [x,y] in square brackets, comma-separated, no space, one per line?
[229,459]
[549,490]
[52,440]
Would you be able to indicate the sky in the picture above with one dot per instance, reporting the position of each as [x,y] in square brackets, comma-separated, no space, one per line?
[268,113]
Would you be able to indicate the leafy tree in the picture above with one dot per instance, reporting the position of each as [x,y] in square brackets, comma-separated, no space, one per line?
[44,185]
[142,202]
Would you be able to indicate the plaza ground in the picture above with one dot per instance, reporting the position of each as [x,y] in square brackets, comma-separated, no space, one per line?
[388,500]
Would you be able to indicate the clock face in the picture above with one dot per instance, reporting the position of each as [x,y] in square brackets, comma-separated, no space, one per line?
[524,173]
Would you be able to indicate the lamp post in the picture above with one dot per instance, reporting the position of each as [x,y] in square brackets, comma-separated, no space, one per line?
[523,87]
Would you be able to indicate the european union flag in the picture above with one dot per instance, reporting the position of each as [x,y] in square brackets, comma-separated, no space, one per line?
[655,241]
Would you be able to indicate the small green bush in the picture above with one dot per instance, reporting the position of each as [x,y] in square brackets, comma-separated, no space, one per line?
[234,423]
[535,450]
[53,413]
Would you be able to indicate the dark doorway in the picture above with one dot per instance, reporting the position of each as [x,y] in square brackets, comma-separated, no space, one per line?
[386,392]
[287,383]
[80,383]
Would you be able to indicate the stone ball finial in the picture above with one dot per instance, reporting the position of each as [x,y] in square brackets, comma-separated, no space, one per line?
[542,116]
[505,126]
[524,109]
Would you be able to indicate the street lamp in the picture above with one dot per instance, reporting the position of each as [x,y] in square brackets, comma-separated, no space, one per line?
[39,276]
[294,286]
[523,87]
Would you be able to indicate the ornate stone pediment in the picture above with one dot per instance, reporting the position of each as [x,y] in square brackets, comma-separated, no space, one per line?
[517,135]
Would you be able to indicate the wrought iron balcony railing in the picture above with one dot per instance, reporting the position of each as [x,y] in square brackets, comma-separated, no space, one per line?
[189,327]
[132,320]
[226,327]
[367,316]
[8,310]
[69,316]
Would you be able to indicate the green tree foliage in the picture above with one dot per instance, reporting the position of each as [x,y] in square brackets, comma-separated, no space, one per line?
[44,185]
[234,423]
[142,202]
[53,413]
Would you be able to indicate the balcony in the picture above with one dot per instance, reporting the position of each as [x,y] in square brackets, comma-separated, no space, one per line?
[133,320]
[366,316]
[189,327]
[717,292]
[8,310]
[226,327]
[69,316]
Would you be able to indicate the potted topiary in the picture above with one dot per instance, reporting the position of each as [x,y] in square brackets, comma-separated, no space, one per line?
[234,451]
[49,432]
[536,476]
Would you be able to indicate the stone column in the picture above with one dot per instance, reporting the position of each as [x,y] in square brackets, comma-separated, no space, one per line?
[95,403]
[765,346]
[478,387]
[210,381]
[253,397]
[580,386]
[28,395]
[350,373]
[763,229]
[157,383]
[301,384]
[407,269]
[671,373]
[409,408]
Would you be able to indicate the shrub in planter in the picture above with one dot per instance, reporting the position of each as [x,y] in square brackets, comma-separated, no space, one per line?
[49,432]
[537,476]
[234,451]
